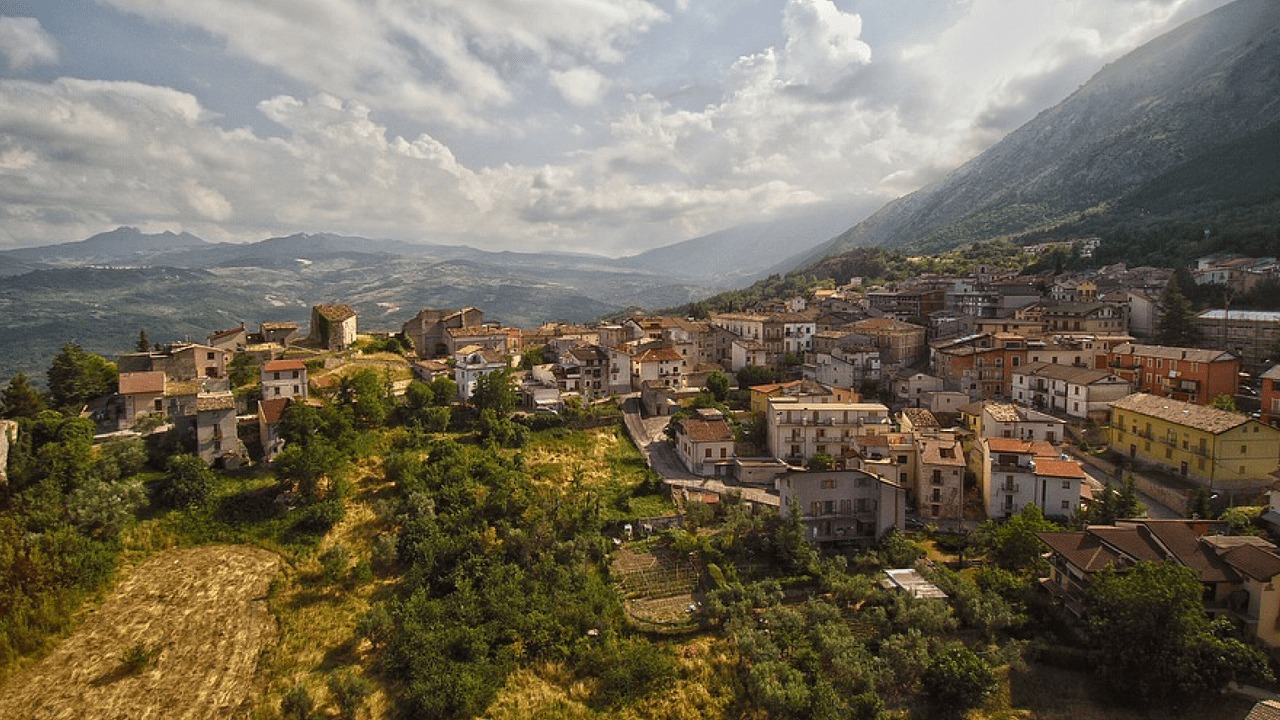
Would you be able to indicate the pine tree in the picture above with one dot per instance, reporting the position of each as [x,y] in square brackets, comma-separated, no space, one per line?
[143,345]
[20,398]
[1176,327]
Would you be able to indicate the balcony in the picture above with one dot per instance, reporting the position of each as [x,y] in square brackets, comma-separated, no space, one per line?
[1010,487]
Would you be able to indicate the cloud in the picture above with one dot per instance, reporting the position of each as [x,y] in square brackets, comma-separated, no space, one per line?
[823,44]
[24,43]
[581,86]
[451,61]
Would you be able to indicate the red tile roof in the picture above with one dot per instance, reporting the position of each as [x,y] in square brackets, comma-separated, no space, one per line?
[136,383]
[272,410]
[283,365]
[706,430]
[1059,468]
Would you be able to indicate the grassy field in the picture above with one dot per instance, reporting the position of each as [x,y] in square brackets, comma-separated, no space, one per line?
[603,461]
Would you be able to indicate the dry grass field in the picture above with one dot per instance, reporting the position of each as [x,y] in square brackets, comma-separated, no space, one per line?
[201,614]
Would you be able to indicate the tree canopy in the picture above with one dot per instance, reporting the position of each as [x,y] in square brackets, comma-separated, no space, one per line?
[76,377]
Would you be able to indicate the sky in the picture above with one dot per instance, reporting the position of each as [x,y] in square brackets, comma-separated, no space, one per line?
[600,126]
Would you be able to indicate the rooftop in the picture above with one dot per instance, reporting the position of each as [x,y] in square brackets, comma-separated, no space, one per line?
[1199,417]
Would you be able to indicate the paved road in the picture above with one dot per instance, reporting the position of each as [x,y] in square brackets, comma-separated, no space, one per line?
[1156,511]
[661,454]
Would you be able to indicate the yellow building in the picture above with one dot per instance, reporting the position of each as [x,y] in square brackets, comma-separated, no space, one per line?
[1215,448]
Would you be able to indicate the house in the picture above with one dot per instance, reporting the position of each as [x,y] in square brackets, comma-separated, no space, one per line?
[486,336]
[428,370]
[427,329]
[799,430]
[842,506]
[899,343]
[917,420]
[232,340]
[1017,473]
[1002,420]
[472,363]
[912,388]
[592,365]
[663,365]
[890,455]
[1215,448]
[279,333]
[1072,391]
[284,379]
[1251,335]
[1088,317]
[180,361]
[269,414]
[1188,374]
[705,444]
[845,366]
[207,426]
[140,394]
[1269,395]
[938,491]
[1238,572]
[907,304]
[333,327]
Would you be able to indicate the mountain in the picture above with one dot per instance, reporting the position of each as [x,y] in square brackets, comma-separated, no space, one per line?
[1142,137]
[744,253]
[124,245]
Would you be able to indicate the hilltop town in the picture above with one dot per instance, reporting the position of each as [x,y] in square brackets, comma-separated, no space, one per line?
[939,408]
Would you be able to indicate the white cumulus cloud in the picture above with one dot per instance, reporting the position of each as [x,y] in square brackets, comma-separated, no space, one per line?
[24,43]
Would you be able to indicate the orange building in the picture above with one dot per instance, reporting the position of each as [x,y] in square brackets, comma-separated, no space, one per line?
[1187,374]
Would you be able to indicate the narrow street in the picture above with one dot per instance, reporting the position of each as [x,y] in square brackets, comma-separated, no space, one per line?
[661,455]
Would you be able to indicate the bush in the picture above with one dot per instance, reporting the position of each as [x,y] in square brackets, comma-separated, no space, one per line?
[349,692]
[297,704]
[139,657]
[956,681]
[384,552]
[187,482]
[333,563]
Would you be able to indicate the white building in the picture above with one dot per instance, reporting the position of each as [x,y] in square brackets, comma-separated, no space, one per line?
[1018,473]
[843,506]
[1076,392]
[283,379]
[705,444]
[797,431]
[1002,420]
[471,364]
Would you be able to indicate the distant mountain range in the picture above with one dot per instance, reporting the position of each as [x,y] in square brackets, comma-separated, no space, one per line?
[101,291]
[1182,130]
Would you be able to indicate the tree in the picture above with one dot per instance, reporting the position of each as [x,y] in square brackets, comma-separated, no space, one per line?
[718,385]
[533,356]
[957,680]
[243,370]
[368,396]
[76,377]
[820,462]
[444,389]
[1224,402]
[1155,644]
[1176,327]
[494,392]
[187,482]
[1013,544]
[143,344]
[752,375]
[20,399]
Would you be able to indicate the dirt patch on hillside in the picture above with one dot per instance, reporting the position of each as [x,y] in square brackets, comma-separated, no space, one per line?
[202,612]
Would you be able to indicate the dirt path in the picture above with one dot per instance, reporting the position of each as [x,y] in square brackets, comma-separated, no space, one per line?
[204,609]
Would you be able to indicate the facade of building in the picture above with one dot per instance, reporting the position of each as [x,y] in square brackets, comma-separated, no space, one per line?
[1186,374]
[1018,473]
[799,430]
[939,486]
[473,363]
[705,444]
[1072,391]
[1252,335]
[1215,448]
[284,379]
[426,329]
[333,327]
[843,506]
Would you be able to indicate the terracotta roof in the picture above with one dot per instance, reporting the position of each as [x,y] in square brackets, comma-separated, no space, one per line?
[284,365]
[1002,412]
[1009,445]
[1172,353]
[874,324]
[921,418]
[218,401]
[1183,541]
[335,313]
[271,410]
[932,452]
[475,331]
[1059,469]
[1265,710]
[659,355]
[1257,562]
[219,334]
[700,431]
[1081,549]
[1129,542]
[279,326]
[1066,373]
[142,382]
[1199,417]
[774,386]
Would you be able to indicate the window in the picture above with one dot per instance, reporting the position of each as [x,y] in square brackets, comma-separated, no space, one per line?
[724,453]
[1066,504]
[210,355]
[707,453]
[1066,484]
[829,484]
[1244,449]
[902,459]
